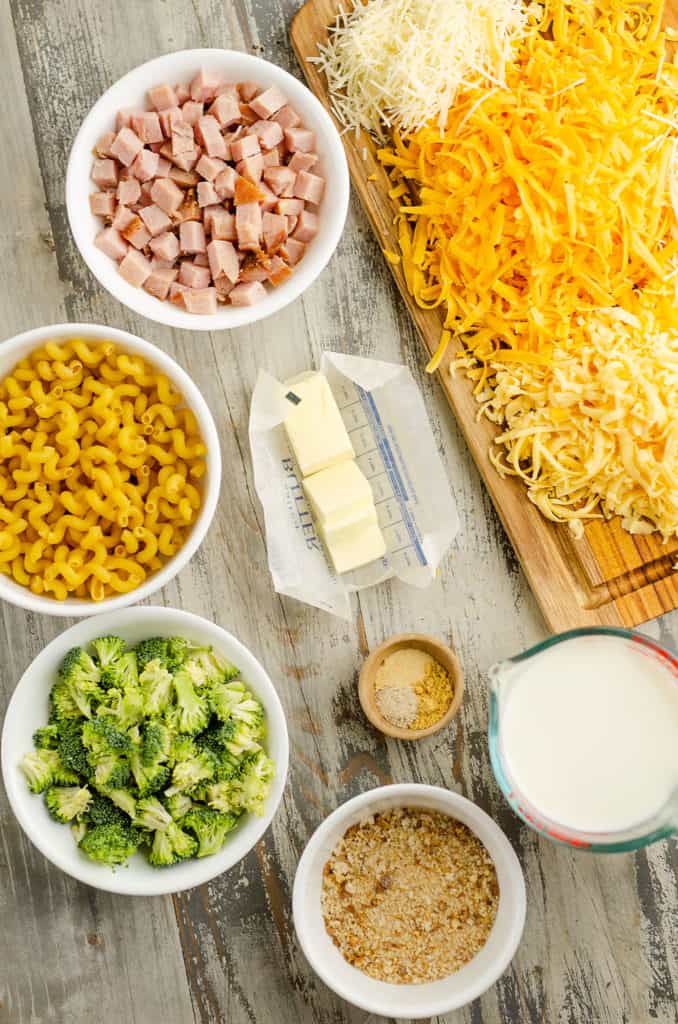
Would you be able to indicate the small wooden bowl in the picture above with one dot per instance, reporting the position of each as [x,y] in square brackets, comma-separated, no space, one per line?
[423,642]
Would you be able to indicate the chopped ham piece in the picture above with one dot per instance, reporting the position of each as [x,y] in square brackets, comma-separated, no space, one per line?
[246,192]
[293,250]
[205,84]
[147,126]
[253,271]
[287,117]
[307,226]
[155,219]
[129,192]
[183,93]
[194,276]
[272,157]
[183,140]
[225,183]
[192,237]
[302,161]
[274,227]
[222,225]
[247,115]
[209,167]
[163,168]
[145,165]
[226,109]
[169,117]
[248,224]
[146,198]
[200,260]
[103,146]
[299,139]
[268,102]
[269,133]
[187,161]
[247,294]
[277,270]
[290,207]
[248,90]
[176,294]
[123,118]
[202,301]
[111,243]
[269,199]
[135,268]
[309,187]
[209,135]
[208,213]
[184,178]
[102,204]
[166,194]
[223,287]
[206,194]
[192,111]
[247,145]
[125,146]
[105,173]
[159,281]
[291,223]
[136,233]
[165,247]
[223,259]
[251,168]
[189,210]
[123,218]
[280,179]
[161,264]
[163,96]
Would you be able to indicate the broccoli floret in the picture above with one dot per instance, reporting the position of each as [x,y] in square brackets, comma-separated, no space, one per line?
[179,804]
[156,686]
[151,814]
[121,674]
[178,650]
[71,750]
[66,802]
[251,787]
[108,649]
[191,714]
[123,799]
[223,697]
[101,736]
[79,830]
[78,667]
[102,811]
[220,796]
[63,705]
[156,743]
[153,649]
[78,679]
[110,844]
[46,738]
[235,738]
[127,706]
[205,667]
[171,845]
[43,767]
[210,828]
[149,778]
[250,712]
[190,773]
[182,748]
[110,770]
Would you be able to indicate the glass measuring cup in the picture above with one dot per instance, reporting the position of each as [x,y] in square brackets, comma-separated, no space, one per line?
[501,677]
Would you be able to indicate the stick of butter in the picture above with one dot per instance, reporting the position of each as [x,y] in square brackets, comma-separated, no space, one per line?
[355,545]
[314,426]
[339,496]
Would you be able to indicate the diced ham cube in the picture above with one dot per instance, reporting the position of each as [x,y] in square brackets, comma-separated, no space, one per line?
[248,90]
[248,225]
[277,270]
[269,133]
[226,109]
[209,135]
[247,294]
[223,287]
[163,168]
[253,271]
[163,96]
[129,191]
[183,93]
[103,146]
[105,173]
[146,199]
[159,281]
[299,139]
[147,126]
[274,227]
[111,243]
[200,260]
[125,146]
[183,140]
[205,84]
[155,219]
[135,268]
[223,259]
[289,207]
[123,118]
[189,210]
[136,233]
[186,161]
[162,264]
[145,165]
[222,225]
[169,117]
[184,178]
[247,145]
[194,276]
[251,168]
[307,226]
[293,250]
[225,183]
[280,180]
[166,194]
[287,117]
[202,301]
[291,224]
[269,199]
[123,218]
[192,237]
[309,187]
[102,204]
[192,111]
[208,213]
[165,246]
[302,161]
[209,167]
[268,102]
[247,115]
[206,194]
[272,157]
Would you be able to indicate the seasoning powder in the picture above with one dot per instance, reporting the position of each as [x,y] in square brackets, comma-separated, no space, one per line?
[412,689]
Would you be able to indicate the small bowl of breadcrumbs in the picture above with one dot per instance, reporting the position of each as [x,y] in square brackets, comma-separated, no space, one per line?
[409,901]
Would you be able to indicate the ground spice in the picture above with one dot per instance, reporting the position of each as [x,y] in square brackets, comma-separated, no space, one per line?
[435,694]
[412,689]
[399,705]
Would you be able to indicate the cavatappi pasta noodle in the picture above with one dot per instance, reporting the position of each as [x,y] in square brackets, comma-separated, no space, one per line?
[100,470]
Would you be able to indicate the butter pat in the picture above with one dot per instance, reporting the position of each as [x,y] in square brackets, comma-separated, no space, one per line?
[314,426]
[351,547]
[339,496]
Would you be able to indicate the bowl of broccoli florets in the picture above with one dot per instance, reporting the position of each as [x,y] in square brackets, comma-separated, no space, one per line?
[144,751]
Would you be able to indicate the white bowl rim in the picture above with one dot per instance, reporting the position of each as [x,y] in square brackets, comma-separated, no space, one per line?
[407,794]
[16,594]
[314,262]
[203,869]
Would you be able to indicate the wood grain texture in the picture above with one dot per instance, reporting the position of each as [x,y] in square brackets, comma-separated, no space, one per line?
[601,943]
[607,577]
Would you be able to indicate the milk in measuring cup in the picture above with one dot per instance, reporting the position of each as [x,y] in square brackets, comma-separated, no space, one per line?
[589,732]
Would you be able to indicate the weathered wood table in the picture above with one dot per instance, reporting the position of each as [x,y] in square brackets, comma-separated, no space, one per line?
[601,940]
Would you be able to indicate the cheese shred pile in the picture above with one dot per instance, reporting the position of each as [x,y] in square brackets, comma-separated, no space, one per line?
[541,222]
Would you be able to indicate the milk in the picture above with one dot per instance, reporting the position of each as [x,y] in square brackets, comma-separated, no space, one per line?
[589,733]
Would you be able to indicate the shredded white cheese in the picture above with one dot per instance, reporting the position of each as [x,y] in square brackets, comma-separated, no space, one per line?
[400,63]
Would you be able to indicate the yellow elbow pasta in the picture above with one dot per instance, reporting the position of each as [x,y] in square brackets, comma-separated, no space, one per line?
[100,470]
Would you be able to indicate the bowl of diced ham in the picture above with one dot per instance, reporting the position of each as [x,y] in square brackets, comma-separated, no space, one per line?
[207,189]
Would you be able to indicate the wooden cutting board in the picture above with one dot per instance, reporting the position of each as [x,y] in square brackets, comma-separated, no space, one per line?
[606,578]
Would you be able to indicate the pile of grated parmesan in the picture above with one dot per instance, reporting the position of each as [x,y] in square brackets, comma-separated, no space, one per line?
[400,63]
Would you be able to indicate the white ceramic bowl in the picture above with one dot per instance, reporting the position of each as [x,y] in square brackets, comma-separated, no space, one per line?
[28,709]
[14,349]
[408,1001]
[130,91]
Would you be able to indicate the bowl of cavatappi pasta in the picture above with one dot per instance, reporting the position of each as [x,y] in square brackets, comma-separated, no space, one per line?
[109,469]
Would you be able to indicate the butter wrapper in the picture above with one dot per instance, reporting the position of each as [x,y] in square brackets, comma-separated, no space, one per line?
[386,419]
